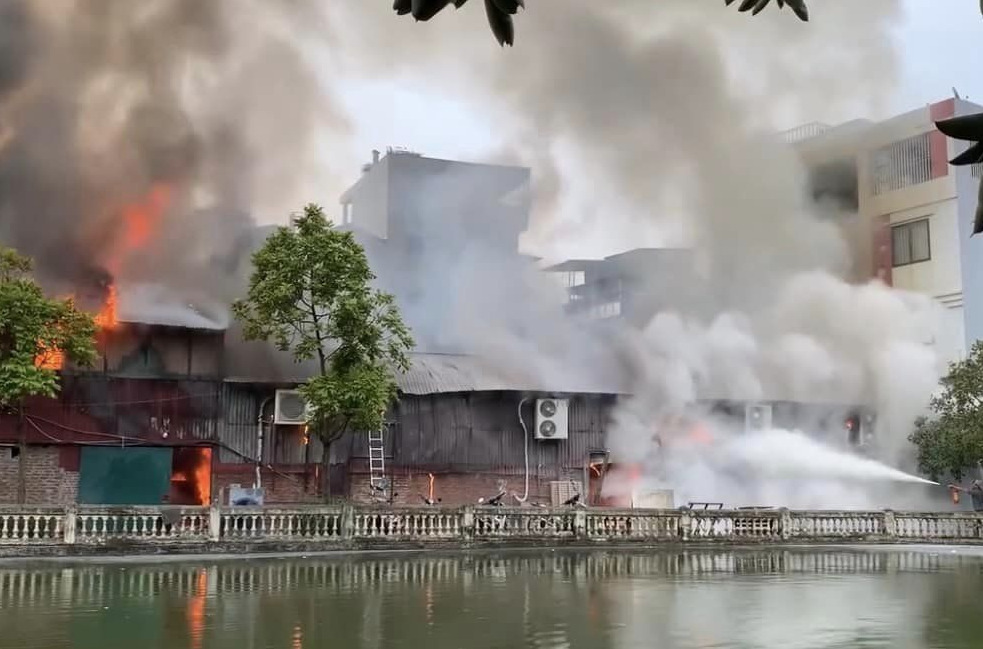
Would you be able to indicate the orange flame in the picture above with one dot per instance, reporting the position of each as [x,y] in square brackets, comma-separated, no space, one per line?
[106,318]
[198,476]
[203,477]
[140,220]
[50,359]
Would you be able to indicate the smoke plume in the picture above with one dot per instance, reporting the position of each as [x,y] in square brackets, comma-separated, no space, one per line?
[656,124]
[138,139]
[646,124]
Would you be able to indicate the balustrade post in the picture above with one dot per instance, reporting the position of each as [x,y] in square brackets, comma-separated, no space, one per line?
[580,524]
[685,523]
[347,522]
[68,525]
[785,524]
[467,522]
[890,524]
[214,523]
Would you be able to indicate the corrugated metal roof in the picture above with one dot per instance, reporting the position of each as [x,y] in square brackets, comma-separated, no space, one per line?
[155,304]
[444,373]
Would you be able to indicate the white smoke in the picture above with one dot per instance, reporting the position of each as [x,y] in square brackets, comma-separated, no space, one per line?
[652,123]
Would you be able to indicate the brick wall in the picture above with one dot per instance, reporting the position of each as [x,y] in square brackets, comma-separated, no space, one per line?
[52,475]
[284,486]
[453,489]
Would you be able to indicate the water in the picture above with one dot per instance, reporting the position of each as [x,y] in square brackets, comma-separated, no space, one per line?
[783,598]
[782,452]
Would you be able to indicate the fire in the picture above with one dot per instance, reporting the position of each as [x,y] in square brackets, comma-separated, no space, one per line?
[191,477]
[203,478]
[50,359]
[106,318]
[140,220]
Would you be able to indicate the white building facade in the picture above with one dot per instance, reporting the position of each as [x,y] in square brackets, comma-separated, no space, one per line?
[914,211]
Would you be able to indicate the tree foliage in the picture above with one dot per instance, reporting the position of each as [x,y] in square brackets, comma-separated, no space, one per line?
[500,12]
[310,294]
[951,441]
[35,329]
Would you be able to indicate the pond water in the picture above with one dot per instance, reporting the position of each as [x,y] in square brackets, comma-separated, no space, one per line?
[781,598]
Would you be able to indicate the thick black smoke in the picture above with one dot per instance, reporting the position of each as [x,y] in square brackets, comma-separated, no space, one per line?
[104,102]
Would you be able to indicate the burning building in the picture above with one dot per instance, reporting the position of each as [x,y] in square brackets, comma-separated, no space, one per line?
[136,428]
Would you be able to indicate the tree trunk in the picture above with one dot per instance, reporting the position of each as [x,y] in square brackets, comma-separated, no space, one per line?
[326,470]
[21,458]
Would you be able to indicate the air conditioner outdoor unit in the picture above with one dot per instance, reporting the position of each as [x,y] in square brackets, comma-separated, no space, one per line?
[757,416]
[552,419]
[289,408]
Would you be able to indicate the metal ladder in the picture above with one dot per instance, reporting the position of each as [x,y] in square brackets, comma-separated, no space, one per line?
[377,457]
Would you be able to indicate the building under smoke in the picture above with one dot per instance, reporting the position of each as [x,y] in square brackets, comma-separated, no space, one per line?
[905,213]
[437,232]
[633,285]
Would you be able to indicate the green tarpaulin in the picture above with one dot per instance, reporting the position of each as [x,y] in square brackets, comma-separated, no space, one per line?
[124,476]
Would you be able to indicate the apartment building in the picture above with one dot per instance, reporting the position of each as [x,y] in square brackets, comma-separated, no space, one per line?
[437,232]
[632,286]
[913,211]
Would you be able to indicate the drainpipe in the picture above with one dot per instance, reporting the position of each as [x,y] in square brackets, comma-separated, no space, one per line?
[259,443]
[525,441]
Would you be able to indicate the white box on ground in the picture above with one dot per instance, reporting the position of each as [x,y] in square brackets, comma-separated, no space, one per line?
[656,499]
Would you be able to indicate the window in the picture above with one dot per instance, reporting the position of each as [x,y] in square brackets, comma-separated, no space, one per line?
[902,164]
[977,170]
[346,213]
[574,278]
[910,243]
[605,310]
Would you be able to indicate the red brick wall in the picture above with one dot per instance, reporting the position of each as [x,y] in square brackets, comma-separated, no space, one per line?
[284,486]
[453,489]
[49,480]
[937,141]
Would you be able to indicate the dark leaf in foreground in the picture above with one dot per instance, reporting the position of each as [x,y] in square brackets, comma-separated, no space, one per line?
[968,128]
[756,6]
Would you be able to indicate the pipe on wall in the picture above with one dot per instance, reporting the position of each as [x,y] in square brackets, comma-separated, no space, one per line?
[525,453]
[259,443]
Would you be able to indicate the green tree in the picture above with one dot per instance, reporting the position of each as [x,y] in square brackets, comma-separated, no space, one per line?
[951,441]
[310,294]
[37,335]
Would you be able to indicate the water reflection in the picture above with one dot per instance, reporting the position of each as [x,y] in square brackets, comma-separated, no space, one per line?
[600,600]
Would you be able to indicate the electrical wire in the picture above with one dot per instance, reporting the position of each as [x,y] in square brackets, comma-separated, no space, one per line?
[138,441]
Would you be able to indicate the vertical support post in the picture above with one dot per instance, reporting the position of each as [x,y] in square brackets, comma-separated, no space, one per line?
[685,523]
[347,522]
[785,524]
[890,525]
[467,523]
[68,527]
[580,524]
[214,523]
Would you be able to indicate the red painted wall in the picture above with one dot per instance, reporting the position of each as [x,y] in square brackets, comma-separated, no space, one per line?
[882,249]
[937,141]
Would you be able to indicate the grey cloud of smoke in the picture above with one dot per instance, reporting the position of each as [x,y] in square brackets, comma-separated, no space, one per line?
[654,123]
[101,101]
[645,123]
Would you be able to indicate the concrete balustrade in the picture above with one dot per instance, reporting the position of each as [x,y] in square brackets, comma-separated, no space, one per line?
[152,529]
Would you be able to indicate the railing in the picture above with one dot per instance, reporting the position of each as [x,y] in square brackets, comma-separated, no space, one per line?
[347,526]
